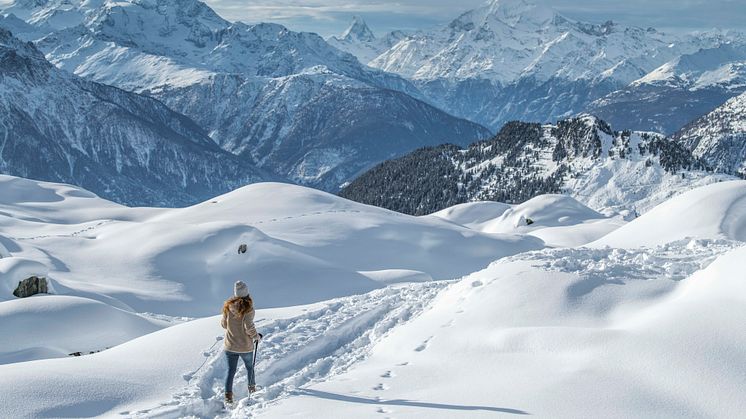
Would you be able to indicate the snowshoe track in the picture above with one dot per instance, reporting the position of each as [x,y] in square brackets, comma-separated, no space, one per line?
[298,351]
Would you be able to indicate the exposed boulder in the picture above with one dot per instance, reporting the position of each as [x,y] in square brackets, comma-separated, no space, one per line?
[17,278]
[31,286]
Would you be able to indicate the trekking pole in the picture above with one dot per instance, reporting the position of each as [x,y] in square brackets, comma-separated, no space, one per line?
[253,361]
[256,347]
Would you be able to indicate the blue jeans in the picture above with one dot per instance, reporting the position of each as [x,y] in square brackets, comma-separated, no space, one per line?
[232,358]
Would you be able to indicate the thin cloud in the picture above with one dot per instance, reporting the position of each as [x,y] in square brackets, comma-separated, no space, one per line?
[331,16]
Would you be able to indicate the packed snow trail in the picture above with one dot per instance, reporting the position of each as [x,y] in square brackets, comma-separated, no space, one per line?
[299,351]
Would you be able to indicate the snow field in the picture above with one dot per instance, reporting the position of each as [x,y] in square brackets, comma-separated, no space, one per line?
[54,326]
[538,334]
[651,330]
[296,351]
[303,246]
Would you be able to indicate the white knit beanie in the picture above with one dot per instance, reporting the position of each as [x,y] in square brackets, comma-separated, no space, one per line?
[240,289]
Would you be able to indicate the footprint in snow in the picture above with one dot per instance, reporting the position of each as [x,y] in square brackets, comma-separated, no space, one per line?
[388,374]
[380,387]
[423,345]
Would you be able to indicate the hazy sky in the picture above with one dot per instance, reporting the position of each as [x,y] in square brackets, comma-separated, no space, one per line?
[330,17]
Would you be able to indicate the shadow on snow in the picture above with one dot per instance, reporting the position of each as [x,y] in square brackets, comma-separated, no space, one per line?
[401,402]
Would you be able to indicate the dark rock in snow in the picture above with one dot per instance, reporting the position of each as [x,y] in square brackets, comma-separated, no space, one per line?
[31,286]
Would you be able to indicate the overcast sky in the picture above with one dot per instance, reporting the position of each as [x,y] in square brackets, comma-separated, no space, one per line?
[330,17]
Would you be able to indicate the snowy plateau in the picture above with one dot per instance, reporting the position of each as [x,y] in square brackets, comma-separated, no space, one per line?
[468,312]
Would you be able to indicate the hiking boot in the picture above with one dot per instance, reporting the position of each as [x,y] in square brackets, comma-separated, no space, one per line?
[252,389]
[229,397]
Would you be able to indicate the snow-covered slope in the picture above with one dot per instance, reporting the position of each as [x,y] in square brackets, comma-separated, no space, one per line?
[126,147]
[316,128]
[286,101]
[573,332]
[562,334]
[303,246]
[712,212]
[719,138]
[559,220]
[473,214]
[625,172]
[520,59]
[54,326]
[674,94]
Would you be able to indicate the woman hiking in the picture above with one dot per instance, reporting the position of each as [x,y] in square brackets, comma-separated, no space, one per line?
[240,335]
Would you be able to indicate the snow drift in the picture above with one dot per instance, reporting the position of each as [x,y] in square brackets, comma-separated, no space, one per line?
[53,326]
[473,215]
[559,220]
[713,211]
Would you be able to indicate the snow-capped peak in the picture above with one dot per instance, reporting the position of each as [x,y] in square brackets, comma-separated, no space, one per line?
[511,13]
[358,31]
[514,12]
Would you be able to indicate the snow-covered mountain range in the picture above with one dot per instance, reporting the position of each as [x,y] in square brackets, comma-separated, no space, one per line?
[285,101]
[520,59]
[621,171]
[672,95]
[297,106]
[125,146]
[719,138]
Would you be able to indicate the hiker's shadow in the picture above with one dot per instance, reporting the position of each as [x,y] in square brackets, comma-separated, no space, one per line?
[402,402]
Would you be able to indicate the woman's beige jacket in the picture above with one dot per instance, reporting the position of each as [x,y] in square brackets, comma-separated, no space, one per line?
[240,332]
